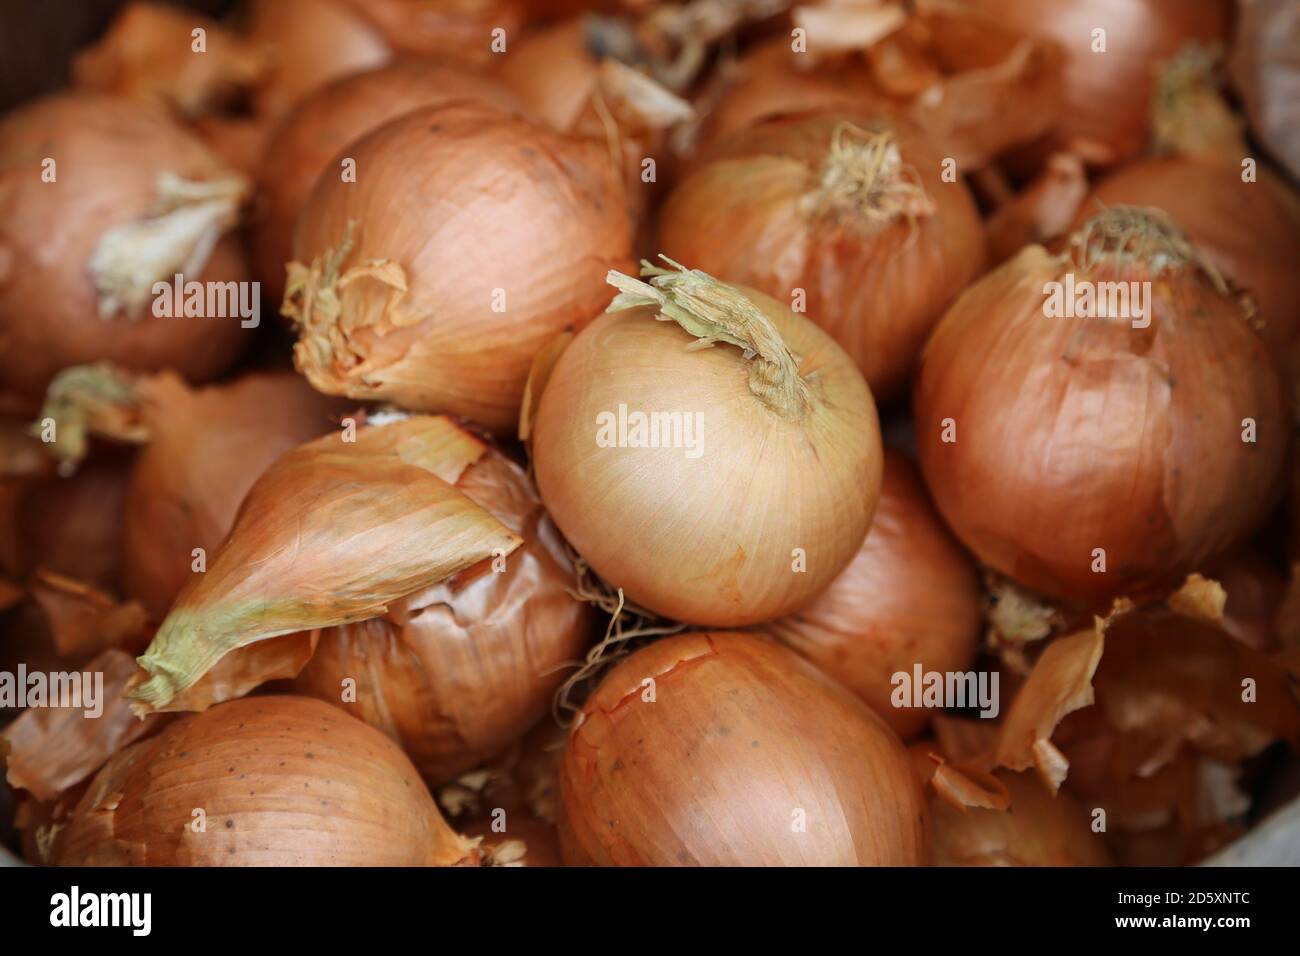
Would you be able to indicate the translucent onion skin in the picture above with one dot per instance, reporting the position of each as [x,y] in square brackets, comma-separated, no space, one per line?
[1247,230]
[1107,95]
[470,671]
[109,154]
[910,596]
[747,756]
[1038,829]
[715,540]
[326,121]
[206,449]
[1078,434]
[491,274]
[281,781]
[876,281]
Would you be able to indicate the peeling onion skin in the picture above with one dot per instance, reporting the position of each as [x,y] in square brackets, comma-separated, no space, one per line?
[1074,434]
[299,150]
[741,734]
[710,540]
[877,285]
[910,596]
[109,153]
[1243,228]
[1107,96]
[433,197]
[282,781]
[468,674]
[1038,829]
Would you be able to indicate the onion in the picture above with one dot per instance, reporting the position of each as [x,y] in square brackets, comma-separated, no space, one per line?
[1265,69]
[910,596]
[302,146]
[266,781]
[1085,445]
[475,662]
[450,283]
[136,200]
[851,211]
[1038,829]
[763,492]
[1107,94]
[148,54]
[206,449]
[726,749]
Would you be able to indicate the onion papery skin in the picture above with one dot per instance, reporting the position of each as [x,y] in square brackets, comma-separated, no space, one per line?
[299,150]
[1077,434]
[281,781]
[878,282]
[910,596]
[1038,829]
[206,449]
[1107,95]
[109,154]
[709,540]
[477,663]
[743,744]
[1245,229]
[553,73]
[1265,69]
[433,202]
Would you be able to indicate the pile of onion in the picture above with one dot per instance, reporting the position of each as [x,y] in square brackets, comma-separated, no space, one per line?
[725,749]
[909,597]
[264,781]
[474,660]
[719,485]
[1107,93]
[1088,457]
[848,218]
[132,200]
[302,146]
[429,284]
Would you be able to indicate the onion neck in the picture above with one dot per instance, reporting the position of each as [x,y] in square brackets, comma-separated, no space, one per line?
[1125,238]
[713,311]
[864,180]
[1189,116]
[84,400]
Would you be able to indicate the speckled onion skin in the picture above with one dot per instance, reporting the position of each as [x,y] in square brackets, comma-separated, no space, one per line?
[742,742]
[282,781]
[1080,433]
[708,540]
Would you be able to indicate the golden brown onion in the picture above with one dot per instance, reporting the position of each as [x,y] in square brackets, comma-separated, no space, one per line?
[720,486]
[265,781]
[449,283]
[301,147]
[474,663]
[910,596]
[845,217]
[134,200]
[726,749]
[1088,457]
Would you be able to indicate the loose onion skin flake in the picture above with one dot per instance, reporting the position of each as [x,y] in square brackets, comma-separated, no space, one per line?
[764,491]
[1091,457]
[300,148]
[280,781]
[431,284]
[135,200]
[720,749]
[910,596]
[847,218]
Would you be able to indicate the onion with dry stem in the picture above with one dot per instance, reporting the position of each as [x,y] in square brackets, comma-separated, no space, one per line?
[848,218]
[430,284]
[99,199]
[1092,450]
[719,485]
[280,781]
[726,749]
[909,597]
